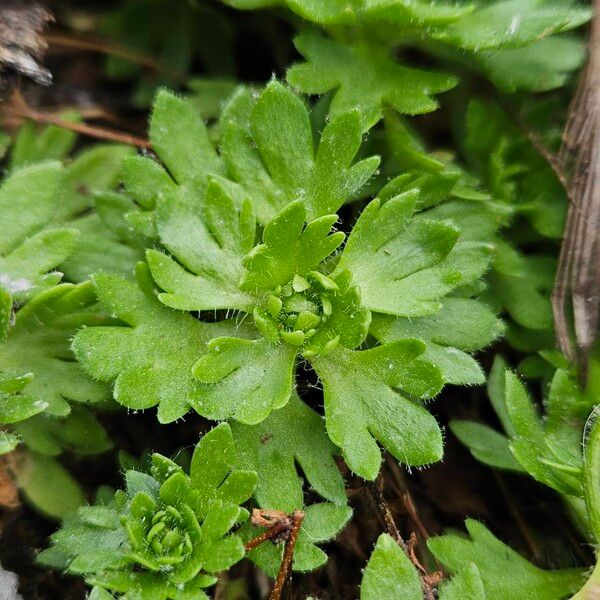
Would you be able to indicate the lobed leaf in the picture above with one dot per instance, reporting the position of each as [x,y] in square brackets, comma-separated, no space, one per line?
[362,404]
[504,573]
[365,78]
[120,353]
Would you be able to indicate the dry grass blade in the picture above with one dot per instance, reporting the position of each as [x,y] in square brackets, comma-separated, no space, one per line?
[21,45]
[578,277]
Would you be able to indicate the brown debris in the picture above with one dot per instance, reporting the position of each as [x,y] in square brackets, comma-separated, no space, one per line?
[21,45]
[9,495]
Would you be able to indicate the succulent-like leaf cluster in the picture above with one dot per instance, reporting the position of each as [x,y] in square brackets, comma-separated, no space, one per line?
[168,533]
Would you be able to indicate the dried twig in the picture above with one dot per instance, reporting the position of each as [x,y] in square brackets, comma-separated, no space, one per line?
[429,581]
[278,522]
[578,276]
[288,556]
[516,514]
[17,107]
[66,40]
[386,514]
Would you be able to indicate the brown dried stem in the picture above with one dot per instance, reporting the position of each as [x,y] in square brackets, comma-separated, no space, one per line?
[288,556]
[429,581]
[17,107]
[273,532]
[102,47]
[578,276]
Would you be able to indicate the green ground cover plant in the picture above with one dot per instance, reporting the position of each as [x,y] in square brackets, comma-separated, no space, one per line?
[301,271]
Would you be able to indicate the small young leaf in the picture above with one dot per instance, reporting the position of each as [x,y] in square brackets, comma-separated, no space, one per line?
[390,573]
[289,248]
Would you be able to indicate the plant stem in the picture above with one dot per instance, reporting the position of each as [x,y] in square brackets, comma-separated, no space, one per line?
[288,556]
[266,535]
[19,108]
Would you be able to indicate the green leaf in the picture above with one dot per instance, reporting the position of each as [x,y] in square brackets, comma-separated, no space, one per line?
[289,440]
[409,12]
[146,181]
[344,12]
[181,139]
[543,66]
[243,379]
[591,473]
[362,404]
[465,585]
[486,445]
[403,266]
[14,405]
[554,460]
[210,237]
[8,442]
[101,250]
[96,168]
[119,353]
[512,24]
[515,173]
[38,344]
[591,483]
[223,554]
[47,485]
[176,35]
[448,347]
[271,154]
[504,573]
[6,312]
[213,472]
[496,393]
[211,94]
[389,573]
[365,78]
[522,285]
[160,537]
[79,432]
[29,200]
[105,241]
[323,521]
[32,145]
[98,593]
[289,248]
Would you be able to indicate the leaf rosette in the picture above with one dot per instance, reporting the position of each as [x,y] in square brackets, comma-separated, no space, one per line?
[167,533]
[301,296]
